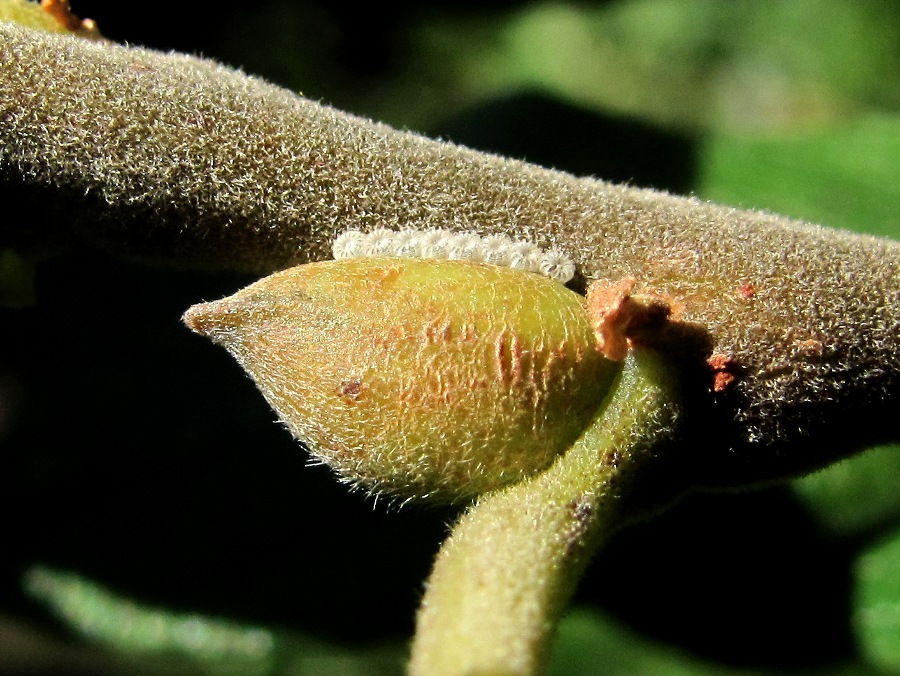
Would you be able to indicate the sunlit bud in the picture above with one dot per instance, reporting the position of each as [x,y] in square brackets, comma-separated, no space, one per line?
[419,378]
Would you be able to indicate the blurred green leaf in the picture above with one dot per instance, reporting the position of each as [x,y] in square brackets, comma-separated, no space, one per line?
[167,642]
[855,495]
[590,643]
[876,600]
[700,64]
[844,177]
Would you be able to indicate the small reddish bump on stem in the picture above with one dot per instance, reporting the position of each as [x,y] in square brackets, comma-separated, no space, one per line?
[746,291]
[810,348]
[722,366]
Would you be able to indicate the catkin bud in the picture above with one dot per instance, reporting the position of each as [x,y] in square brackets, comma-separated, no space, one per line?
[419,378]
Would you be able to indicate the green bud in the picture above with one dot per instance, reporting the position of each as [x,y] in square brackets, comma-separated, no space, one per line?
[420,378]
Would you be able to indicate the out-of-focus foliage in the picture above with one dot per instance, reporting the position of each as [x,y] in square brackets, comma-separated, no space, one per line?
[841,174]
[790,106]
[857,496]
[171,642]
[876,607]
[689,63]
[593,644]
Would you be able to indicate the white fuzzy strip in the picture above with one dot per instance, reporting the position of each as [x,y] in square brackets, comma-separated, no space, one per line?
[438,243]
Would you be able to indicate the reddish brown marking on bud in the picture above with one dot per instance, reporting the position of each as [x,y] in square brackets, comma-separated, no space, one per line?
[391,337]
[385,274]
[467,333]
[509,357]
[477,384]
[437,331]
[350,390]
[554,356]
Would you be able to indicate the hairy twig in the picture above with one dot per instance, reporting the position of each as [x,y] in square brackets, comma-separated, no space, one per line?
[169,158]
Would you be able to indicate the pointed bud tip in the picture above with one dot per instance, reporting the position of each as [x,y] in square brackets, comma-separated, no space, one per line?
[205,318]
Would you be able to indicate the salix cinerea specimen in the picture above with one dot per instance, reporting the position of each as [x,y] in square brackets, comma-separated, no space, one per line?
[773,333]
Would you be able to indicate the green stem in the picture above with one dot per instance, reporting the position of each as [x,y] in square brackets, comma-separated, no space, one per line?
[503,577]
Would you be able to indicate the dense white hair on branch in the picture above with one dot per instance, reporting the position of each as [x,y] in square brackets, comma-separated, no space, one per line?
[440,243]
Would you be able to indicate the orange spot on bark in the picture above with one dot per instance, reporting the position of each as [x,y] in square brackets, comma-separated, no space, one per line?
[810,348]
[718,362]
[605,304]
[746,291]
[620,318]
[723,371]
[721,381]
